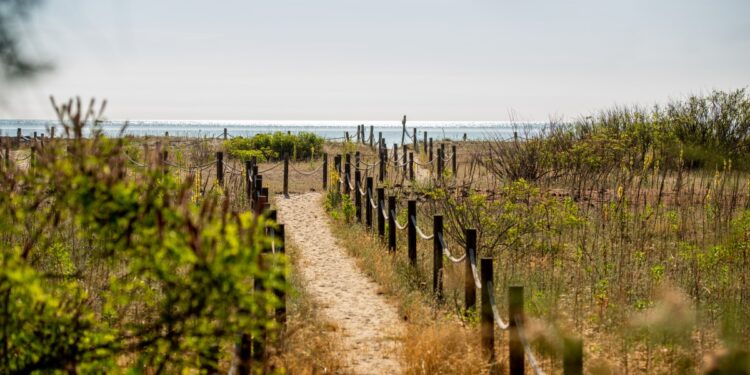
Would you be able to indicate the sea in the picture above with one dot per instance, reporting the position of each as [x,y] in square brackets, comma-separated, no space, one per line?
[332,130]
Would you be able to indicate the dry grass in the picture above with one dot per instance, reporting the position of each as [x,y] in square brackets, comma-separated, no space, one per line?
[437,342]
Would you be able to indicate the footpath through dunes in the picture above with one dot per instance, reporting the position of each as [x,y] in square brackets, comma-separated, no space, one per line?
[369,326]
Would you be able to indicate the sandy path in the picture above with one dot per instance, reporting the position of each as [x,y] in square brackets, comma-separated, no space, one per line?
[369,325]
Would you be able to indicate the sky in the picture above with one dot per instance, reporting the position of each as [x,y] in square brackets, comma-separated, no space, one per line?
[492,60]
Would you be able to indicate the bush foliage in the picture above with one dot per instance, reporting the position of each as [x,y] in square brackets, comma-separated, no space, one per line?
[106,269]
[273,146]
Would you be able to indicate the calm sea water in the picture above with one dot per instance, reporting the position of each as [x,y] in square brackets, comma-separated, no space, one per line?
[329,129]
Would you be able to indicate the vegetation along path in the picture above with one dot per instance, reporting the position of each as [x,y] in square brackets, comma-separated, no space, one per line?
[368,324]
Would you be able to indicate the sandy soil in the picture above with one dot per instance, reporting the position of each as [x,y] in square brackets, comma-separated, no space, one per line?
[369,324]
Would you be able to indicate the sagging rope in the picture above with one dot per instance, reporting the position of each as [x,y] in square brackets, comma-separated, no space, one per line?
[306,173]
[495,312]
[393,213]
[370,165]
[419,231]
[270,168]
[372,202]
[527,348]
[382,210]
[474,273]
[448,253]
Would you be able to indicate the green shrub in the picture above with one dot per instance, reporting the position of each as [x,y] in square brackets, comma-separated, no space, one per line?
[273,146]
[102,273]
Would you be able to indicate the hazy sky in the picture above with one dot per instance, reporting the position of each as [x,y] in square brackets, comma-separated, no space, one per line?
[378,60]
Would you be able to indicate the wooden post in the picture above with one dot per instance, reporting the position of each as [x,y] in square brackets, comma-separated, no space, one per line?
[430,151]
[454,162]
[515,315]
[357,196]
[440,163]
[403,150]
[347,173]
[395,156]
[286,174]
[280,248]
[381,218]
[416,144]
[258,186]
[470,291]
[392,223]
[52,132]
[412,231]
[358,128]
[346,136]
[248,178]
[258,340]
[220,168]
[225,134]
[18,137]
[411,166]
[572,357]
[487,318]
[380,140]
[325,171]
[337,166]
[372,137]
[368,199]
[437,257]
[403,130]
[381,175]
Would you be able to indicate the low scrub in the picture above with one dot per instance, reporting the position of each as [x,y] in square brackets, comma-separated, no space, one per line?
[266,147]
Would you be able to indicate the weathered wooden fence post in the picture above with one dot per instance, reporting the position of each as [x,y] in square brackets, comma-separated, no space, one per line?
[281,248]
[325,171]
[337,166]
[18,137]
[515,315]
[257,187]
[372,135]
[357,196]
[225,134]
[381,175]
[412,231]
[395,157]
[437,257]
[414,137]
[286,174]
[368,202]
[381,218]
[347,173]
[392,223]
[573,357]
[52,132]
[404,152]
[470,290]
[430,153]
[487,318]
[440,163]
[454,161]
[249,179]
[220,168]
[424,144]
[411,166]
